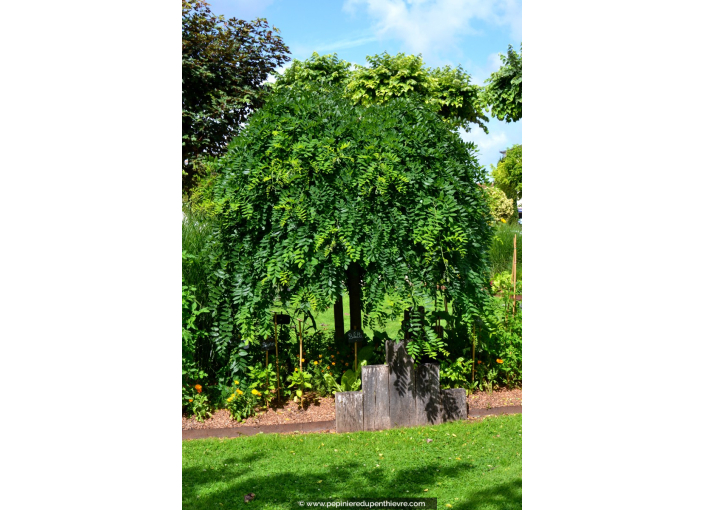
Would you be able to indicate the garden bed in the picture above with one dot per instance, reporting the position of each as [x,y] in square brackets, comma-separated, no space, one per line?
[323,409]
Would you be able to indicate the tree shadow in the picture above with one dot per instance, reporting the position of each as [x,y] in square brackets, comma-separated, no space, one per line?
[289,487]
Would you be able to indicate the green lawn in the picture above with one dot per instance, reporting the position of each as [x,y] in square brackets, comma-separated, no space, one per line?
[469,465]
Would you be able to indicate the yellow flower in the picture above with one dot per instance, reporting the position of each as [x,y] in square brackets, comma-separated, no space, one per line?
[503,220]
[237,382]
[315,362]
[320,355]
[333,363]
[255,392]
[499,361]
[240,392]
[229,399]
[303,361]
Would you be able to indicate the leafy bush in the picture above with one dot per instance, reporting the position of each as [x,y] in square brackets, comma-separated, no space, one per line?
[502,208]
[241,404]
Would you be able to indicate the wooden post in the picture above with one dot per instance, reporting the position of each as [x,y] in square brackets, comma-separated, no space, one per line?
[349,411]
[300,345]
[266,367]
[375,387]
[474,344]
[276,347]
[514,275]
[402,385]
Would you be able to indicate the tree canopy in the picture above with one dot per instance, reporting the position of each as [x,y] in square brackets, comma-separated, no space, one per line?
[446,90]
[224,65]
[316,184]
[508,173]
[502,93]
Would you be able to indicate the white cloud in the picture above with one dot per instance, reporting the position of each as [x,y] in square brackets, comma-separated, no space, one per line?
[426,26]
[280,70]
[487,144]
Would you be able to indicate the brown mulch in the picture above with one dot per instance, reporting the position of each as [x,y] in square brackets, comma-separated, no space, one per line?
[315,409]
[323,409]
[497,398]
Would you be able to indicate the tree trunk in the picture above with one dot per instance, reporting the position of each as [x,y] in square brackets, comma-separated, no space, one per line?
[339,319]
[354,276]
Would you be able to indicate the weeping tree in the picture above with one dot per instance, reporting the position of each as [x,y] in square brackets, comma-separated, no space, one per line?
[319,194]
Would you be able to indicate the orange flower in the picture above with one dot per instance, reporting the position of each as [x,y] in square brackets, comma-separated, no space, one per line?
[479,361]
[332,356]
[499,361]
[328,367]
[190,400]
[198,388]
[333,363]
[347,364]
[320,355]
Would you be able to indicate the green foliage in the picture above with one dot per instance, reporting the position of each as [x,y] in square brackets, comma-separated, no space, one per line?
[241,404]
[500,205]
[263,381]
[503,323]
[224,66]
[200,407]
[351,380]
[315,184]
[508,173]
[502,93]
[326,70]
[445,90]
[456,373]
[300,379]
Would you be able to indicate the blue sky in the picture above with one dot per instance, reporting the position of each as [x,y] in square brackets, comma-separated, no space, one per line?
[470,33]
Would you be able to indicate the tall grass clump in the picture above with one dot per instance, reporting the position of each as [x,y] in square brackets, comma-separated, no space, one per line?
[501,249]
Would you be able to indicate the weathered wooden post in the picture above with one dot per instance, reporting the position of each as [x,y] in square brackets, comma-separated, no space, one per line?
[375,387]
[349,411]
[402,385]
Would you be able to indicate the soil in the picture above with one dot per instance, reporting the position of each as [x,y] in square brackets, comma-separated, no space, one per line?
[323,409]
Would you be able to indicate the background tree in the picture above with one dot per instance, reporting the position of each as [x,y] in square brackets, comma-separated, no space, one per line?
[445,90]
[508,173]
[502,93]
[316,189]
[502,207]
[224,67]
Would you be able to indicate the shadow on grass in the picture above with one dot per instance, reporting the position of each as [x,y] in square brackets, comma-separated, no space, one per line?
[225,487]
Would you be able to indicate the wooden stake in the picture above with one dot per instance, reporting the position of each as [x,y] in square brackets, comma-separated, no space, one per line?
[474,343]
[514,275]
[300,345]
[276,346]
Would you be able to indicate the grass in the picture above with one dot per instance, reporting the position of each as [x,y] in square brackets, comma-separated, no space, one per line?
[473,465]
[501,249]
